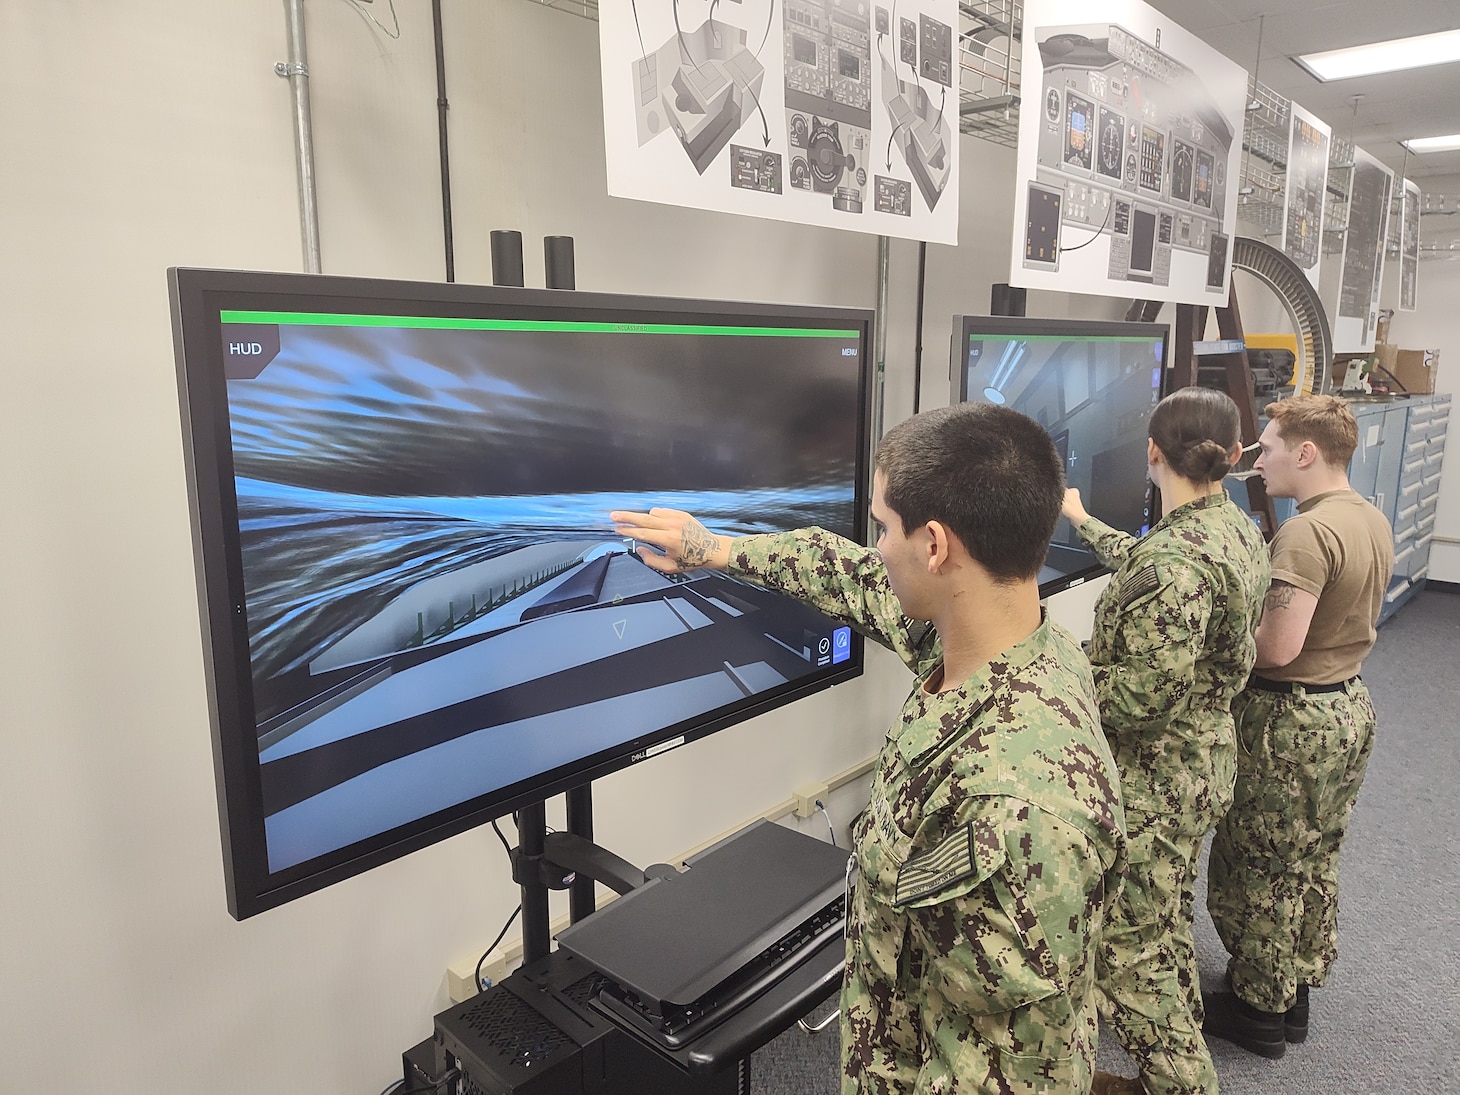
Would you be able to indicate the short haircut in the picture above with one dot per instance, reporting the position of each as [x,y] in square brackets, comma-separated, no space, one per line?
[991,475]
[1324,420]
[1196,430]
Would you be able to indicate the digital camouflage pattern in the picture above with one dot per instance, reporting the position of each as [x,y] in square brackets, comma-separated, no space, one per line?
[1273,870]
[1172,645]
[986,861]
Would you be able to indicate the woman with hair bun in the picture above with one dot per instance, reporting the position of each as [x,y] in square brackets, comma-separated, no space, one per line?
[1172,644]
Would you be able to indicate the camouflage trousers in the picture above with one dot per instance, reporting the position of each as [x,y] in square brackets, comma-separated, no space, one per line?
[1273,872]
[1149,990]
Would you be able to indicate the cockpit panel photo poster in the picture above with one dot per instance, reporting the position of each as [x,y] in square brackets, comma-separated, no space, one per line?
[1305,189]
[1356,316]
[838,113]
[1130,135]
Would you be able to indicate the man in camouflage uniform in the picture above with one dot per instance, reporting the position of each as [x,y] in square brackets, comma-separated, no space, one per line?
[994,840]
[1172,644]
[1305,729]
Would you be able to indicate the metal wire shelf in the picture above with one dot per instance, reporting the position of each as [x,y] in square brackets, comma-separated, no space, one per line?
[989,36]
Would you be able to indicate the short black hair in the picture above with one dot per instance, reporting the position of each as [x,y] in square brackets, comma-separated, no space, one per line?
[991,475]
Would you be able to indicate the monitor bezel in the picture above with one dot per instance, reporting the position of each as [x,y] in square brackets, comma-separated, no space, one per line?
[966,326]
[196,298]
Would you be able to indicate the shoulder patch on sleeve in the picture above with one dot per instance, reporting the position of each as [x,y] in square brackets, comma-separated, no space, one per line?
[1143,581]
[931,871]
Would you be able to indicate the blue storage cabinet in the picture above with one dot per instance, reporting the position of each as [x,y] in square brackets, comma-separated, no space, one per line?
[1397,467]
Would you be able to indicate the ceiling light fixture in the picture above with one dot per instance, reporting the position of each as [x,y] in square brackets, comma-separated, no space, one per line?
[1433,144]
[1392,56]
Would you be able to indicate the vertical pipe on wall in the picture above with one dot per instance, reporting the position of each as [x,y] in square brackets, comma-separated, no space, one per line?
[884,261]
[441,108]
[296,71]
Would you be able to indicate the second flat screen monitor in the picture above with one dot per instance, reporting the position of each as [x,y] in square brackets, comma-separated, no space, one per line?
[1092,385]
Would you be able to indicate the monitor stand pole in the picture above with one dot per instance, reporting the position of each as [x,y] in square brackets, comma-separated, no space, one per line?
[544,861]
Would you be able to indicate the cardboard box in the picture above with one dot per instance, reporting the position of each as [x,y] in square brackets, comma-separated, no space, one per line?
[1416,370]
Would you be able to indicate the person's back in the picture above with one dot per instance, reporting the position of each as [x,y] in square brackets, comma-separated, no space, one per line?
[1207,570]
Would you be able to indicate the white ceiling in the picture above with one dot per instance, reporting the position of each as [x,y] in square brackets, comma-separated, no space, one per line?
[1419,103]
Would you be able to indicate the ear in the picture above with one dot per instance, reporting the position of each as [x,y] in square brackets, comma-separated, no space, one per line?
[938,547]
[1153,453]
[1307,454]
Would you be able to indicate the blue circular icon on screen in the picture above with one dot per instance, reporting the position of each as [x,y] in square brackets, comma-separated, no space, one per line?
[843,639]
[993,395]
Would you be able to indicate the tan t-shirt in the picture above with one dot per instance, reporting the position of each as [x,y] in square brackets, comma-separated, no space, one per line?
[1339,548]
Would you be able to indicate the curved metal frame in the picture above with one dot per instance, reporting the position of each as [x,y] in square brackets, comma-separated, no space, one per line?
[1313,372]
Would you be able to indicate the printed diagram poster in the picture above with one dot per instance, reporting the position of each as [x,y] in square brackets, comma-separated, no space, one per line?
[839,113]
[1357,314]
[1409,248]
[1127,170]
[1305,190]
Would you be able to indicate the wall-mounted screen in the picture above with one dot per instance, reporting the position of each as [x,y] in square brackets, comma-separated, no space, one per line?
[416,614]
[1092,385]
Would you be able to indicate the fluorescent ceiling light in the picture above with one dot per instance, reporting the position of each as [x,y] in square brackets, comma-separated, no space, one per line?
[1401,53]
[1434,144]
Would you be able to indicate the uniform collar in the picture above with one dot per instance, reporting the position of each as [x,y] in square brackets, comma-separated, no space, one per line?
[1189,509]
[929,721]
[1304,507]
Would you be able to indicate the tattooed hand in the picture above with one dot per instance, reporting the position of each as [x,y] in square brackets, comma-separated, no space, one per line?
[685,543]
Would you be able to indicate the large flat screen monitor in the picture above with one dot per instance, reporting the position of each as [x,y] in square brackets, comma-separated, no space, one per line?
[416,614]
[1092,385]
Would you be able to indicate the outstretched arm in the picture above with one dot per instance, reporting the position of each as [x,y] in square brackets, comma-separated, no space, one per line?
[1110,545]
[672,541]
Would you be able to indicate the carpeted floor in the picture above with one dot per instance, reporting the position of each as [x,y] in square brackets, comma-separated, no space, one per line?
[1388,1022]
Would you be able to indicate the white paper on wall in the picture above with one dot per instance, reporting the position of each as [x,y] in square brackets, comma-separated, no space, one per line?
[1409,248]
[840,113]
[1357,313]
[1305,190]
[1130,135]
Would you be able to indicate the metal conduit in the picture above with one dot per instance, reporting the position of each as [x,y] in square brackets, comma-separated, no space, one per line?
[296,71]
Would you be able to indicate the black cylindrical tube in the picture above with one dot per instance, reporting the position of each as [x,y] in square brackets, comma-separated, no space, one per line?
[441,107]
[557,255]
[507,257]
[580,823]
[536,929]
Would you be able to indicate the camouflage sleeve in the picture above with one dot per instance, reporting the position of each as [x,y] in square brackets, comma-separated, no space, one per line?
[833,575]
[1164,603]
[1110,545]
[1018,930]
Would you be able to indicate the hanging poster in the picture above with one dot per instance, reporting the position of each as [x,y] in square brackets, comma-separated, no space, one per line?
[1409,248]
[840,113]
[1305,190]
[1127,168]
[1357,314]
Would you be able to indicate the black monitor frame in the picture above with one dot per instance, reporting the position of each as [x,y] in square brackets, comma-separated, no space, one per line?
[198,296]
[966,327]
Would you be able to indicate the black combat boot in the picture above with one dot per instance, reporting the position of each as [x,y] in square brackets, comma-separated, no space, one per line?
[1231,1018]
[1295,1019]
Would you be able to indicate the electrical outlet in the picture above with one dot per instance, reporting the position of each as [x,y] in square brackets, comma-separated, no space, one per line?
[807,796]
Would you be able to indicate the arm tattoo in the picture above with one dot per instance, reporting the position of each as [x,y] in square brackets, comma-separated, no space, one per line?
[1279,596]
[697,547]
